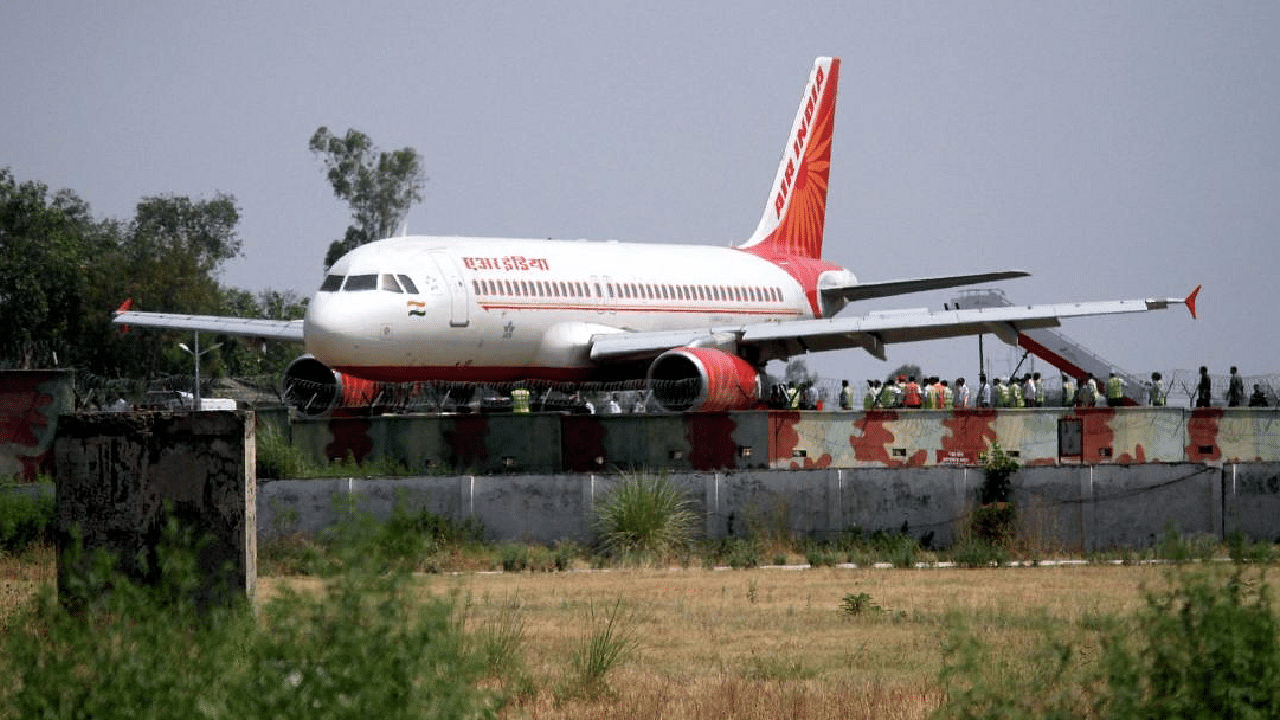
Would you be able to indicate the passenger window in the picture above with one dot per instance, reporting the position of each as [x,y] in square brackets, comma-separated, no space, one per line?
[361,282]
[332,283]
[408,285]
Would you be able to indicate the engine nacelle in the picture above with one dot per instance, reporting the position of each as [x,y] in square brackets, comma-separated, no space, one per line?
[702,379]
[314,389]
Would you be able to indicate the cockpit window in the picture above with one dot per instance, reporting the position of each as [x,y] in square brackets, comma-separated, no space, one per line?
[409,287]
[361,282]
[389,282]
[332,283]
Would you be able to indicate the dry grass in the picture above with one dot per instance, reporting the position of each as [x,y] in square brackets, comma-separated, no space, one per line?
[753,644]
[771,643]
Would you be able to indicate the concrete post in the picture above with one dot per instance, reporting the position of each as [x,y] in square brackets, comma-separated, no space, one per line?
[122,476]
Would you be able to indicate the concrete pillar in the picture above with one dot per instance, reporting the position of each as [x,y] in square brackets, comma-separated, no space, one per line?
[122,476]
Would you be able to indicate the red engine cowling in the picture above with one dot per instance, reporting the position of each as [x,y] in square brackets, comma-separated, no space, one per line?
[702,379]
[314,389]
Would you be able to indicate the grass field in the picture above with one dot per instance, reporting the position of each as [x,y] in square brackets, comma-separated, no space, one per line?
[764,642]
[769,642]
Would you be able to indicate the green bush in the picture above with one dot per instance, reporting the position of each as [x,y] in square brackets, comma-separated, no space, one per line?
[24,519]
[1209,647]
[645,518]
[368,645]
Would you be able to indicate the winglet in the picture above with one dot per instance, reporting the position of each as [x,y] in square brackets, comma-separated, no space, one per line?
[124,307]
[1191,301]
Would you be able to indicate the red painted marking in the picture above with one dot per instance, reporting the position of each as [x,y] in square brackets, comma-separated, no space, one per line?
[467,440]
[971,432]
[876,439]
[1202,431]
[710,438]
[1095,425]
[350,439]
[582,440]
[783,438]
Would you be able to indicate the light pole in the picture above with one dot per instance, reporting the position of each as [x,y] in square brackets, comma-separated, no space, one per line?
[196,353]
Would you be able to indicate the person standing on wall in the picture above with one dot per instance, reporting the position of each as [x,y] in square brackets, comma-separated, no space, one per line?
[1115,390]
[1203,390]
[1235,389]
[1158,396]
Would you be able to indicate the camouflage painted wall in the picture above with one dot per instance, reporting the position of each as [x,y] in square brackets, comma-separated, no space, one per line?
[30,403]
[552,443]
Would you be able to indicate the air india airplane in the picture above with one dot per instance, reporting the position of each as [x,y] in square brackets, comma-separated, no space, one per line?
[697,322]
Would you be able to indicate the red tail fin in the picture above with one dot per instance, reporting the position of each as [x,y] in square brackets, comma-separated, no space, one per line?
[796,211]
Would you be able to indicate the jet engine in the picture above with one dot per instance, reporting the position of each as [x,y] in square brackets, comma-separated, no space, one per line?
[702,379]
[314,389]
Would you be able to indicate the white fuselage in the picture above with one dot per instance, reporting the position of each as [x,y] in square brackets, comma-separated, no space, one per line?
[467,309]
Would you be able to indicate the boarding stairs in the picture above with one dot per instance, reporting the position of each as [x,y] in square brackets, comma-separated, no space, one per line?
[1057,349]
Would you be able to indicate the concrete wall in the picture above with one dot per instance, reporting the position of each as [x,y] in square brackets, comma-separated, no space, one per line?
[1074,508]
[779,440]
[121,476]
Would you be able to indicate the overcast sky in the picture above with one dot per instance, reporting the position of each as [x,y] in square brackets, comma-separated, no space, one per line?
[1114,150]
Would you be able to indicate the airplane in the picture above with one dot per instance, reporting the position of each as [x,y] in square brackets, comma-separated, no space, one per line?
[698,323]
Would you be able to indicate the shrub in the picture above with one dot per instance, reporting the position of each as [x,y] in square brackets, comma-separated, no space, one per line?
[609,640]
[1207,647]
[24,519]
[645,518]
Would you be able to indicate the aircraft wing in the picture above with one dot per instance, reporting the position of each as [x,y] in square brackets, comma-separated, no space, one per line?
[887,288]
[219,324]
[780,340]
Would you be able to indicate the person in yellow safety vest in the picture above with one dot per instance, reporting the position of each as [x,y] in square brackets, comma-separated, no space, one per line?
[846,396]
[793,396]
[1089,393]
[1042,393]
[1115,390]
[888,395]
[1000,392]
[948,397]
[1158,396]
[869,395]
[1015,394]
[520,400]
[926,394]
[1068,391]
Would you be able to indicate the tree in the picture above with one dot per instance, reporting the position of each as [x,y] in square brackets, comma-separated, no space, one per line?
[380,187]
[48,250]
[910,371]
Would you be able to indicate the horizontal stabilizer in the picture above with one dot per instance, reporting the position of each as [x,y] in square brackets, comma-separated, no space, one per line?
[887,288]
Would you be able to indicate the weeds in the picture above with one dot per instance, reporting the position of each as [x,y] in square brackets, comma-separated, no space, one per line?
[24,518]
[855,605]
[609,640]
[1207,647]
[645,519]
[365,646]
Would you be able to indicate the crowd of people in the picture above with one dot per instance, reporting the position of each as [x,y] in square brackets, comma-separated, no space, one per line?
[1030,390]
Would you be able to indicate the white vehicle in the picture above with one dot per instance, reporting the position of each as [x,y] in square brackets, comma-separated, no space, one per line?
[178,400]
[698,321]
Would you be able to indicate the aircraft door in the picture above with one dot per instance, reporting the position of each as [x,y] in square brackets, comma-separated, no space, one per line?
[459,297]
[600,289]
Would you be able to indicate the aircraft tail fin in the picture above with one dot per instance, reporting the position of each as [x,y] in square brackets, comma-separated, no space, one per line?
[797,206]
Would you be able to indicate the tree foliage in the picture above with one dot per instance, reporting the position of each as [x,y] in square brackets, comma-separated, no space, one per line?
[63,273]
[380,187]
